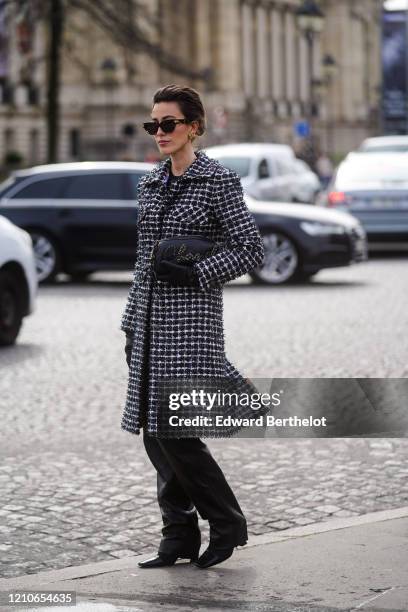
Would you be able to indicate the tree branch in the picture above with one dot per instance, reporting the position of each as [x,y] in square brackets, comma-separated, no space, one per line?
[129,34]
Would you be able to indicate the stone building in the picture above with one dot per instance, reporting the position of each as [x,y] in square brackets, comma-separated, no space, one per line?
[261,80]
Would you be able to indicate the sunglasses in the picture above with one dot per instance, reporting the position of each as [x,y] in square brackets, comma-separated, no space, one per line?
[167,125]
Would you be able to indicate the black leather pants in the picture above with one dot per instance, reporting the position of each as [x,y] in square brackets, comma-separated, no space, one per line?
[190,480]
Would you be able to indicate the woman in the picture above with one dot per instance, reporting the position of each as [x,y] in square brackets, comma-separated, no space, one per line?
[174,325]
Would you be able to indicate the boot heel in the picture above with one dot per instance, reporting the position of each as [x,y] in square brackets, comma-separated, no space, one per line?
[192,556]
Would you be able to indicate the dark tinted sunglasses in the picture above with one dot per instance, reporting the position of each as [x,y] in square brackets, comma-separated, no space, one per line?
[167,125]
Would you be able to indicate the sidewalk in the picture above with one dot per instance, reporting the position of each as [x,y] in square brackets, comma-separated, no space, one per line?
[354,564]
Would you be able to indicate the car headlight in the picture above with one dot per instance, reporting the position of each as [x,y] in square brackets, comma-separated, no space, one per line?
[314,228]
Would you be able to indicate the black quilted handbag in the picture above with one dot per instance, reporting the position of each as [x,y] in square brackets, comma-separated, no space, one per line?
[184,250]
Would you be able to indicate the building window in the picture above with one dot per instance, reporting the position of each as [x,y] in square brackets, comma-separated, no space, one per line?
[32,94]
[9,139]
[34,146]
[6,91]
[75,143]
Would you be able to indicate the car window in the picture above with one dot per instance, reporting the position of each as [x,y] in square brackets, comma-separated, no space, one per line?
[133,179]
[9,183]
[96,186]
[41,189]
[240,165]
[263,170]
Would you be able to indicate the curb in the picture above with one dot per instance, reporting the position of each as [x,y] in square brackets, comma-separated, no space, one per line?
[116,565]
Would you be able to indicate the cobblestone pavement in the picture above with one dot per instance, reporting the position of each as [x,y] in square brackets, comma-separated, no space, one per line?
[75,488]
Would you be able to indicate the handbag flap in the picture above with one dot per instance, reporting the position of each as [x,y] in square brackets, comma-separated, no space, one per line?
[183,250]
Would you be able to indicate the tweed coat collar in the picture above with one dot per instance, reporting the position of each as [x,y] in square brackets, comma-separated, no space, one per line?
[202,167]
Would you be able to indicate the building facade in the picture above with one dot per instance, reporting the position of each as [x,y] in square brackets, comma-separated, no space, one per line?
[259,78]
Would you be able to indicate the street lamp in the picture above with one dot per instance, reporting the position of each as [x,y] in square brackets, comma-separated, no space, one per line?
[329,67]
[310,21]
[109,71]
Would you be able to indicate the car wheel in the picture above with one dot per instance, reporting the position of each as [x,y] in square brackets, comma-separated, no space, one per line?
[281,260]
[11,311]
[47,257]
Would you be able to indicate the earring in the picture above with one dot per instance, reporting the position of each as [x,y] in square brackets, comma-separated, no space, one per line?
[191,136]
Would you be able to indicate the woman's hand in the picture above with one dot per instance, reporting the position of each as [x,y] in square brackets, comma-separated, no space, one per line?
[178,275]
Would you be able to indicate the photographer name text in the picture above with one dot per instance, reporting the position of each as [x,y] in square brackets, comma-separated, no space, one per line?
[260,421]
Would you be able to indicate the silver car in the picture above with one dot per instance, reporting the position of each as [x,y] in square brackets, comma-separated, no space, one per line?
[267,171]
[374,188]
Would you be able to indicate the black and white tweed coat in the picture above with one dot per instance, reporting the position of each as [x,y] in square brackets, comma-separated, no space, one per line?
[183,326]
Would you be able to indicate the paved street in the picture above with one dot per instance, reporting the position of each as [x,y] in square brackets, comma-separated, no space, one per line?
[75,488]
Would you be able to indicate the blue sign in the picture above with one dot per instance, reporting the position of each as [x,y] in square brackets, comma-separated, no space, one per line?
[302,129]
[394,69]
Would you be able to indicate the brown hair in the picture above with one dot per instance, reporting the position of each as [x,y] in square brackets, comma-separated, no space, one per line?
[188,100]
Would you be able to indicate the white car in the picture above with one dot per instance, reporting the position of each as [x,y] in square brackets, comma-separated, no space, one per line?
[18,280]
[267,171]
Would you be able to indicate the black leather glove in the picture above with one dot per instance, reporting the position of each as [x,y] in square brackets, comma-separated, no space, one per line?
[178,275]
[128,347]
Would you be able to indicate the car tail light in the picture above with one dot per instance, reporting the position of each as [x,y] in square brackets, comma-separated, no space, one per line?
[338,198]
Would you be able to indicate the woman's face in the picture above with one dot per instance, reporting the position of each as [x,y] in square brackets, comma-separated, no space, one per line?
[176,140]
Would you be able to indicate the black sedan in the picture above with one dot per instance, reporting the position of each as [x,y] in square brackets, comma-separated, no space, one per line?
[82,217]
[300,240]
